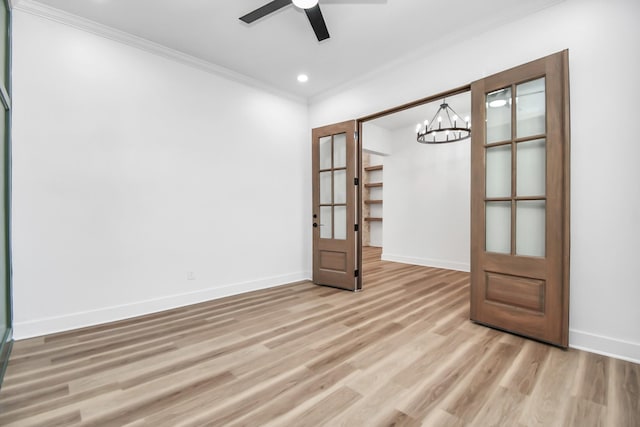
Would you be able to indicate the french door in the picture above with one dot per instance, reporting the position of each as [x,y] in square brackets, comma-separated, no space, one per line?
[520,200]
[335,197]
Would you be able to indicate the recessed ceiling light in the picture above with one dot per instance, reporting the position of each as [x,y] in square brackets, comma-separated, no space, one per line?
[303,78]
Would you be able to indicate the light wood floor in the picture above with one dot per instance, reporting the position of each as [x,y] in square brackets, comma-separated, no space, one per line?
[402,353]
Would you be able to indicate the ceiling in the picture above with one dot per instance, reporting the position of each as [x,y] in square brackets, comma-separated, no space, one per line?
[366,35]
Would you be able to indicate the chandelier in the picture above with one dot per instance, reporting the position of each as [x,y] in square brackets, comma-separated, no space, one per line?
[445,126]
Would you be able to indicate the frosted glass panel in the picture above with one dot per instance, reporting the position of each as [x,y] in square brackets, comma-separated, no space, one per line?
[498,104]
[326,230]
[325,188]
[340,217]
[340,150]
[499,171]
[531,168]
[325,152]
[340,186]
[498,227]
[530,228]
[530,113]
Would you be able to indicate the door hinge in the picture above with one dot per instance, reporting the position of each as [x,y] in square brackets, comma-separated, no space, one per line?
[356,273]
[355,135]
[356,181]
[355,227]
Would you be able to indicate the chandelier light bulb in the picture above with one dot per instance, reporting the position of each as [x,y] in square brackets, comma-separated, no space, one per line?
[305,4]
[418,127]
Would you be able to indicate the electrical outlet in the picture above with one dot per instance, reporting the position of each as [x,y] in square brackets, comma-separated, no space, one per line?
[191,275]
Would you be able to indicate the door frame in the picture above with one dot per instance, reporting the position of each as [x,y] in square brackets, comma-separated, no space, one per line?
[359,124]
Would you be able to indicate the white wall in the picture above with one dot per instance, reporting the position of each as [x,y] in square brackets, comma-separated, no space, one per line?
[603,39]
[376,139]
[426,202]
[130,170]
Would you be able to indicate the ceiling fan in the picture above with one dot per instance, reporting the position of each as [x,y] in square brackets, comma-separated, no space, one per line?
[311,8]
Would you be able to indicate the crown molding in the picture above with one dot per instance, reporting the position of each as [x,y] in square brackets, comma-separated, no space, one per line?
[38,9]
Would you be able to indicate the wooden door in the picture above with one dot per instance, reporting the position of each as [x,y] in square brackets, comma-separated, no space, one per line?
[335,197]
[520,200]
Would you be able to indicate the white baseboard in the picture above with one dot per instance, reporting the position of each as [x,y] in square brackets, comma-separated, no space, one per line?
[50,325]
[426,262]
[606,346]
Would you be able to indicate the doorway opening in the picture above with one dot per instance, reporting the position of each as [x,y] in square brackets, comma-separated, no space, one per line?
[415,197]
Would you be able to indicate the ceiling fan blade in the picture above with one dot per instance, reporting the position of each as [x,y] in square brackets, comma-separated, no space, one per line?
[264,10]
[317,22]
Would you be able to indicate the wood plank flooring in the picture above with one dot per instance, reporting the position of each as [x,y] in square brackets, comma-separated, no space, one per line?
[400,353]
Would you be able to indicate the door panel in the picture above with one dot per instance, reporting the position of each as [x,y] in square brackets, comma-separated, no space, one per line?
[335,197]
[520,200]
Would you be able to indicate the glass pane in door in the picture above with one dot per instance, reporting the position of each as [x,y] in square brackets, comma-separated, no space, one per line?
[531,168]
[340,150]
[325,152]
[340,224]
[530,227]
[498,227]
[531,111]
[498,180]
[498,105]
[325,188]
[340,186]
[326,223]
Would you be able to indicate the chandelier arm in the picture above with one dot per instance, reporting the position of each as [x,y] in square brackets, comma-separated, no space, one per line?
[433,119]
[456,114]
[449,115]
